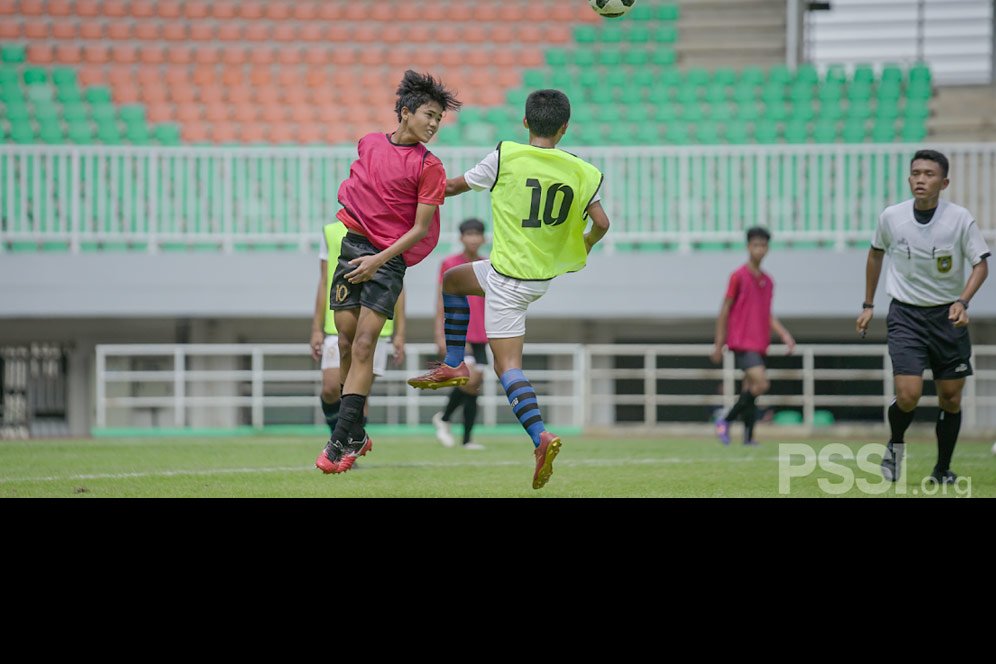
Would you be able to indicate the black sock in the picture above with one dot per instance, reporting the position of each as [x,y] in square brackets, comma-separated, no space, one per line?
[350,416]
[948,425]
[456,398]
[750,417]
[746,400]
[899,422]
[331,411]
[469,415]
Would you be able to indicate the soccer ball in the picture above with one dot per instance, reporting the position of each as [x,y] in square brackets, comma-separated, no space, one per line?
[611,8]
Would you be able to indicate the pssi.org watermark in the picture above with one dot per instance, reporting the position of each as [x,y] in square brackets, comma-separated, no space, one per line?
[796,460]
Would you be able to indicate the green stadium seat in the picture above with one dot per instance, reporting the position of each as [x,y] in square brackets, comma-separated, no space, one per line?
[68,94]
[796,131]
[51,133]
[709,133]
[585,34]
[919,91]
[887,110]
[687,94]
[787,418]
[637,113]
[920,73]
[801,92]
[803,110]
[765,131]
[103,112]
[638,33]
[601,94]
[46,112]
[692,112]
[109,133]
[749,111]
[822,418]
[831,110]
[665,34]
[858,91]
[40,92]
[609,113]
[470,114]
[579,113]
[667,112]
[668,12]
[721,112]
[65,77]
[863,74]
[753,75]
[636,57]
[736,133]
[12,53]
[825,131]
[780,74]
[776,110]
[859,110]
[892,74]
[535,78]
[138,134]
[806,73]
[98,94]
[643,77]
[883,131]
[772,93]
[21,132]
[641,12]
[663,56]
[516,96]
[584,57]
[611,33]
[717,93]
[563,78]
[621,133]
[132,113]
[630,95]
[916,109]
[501,116]
[697,76]
[34,75]
[80,132]
[610,56]
[555,57]
[17,113]
[671,77]
[724,76]
[913,131]
[677,133]
[745,92]
[889,91]
[854,131]
[835,75]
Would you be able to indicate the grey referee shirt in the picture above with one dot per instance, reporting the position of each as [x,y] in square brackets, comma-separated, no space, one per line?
[927,261]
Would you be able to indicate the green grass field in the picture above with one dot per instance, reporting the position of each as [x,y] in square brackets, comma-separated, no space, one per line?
[414,467]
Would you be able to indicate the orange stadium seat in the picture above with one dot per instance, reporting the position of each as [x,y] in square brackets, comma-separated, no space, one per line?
[229,31]
[148,30]
[253,133]
[143,8]
[128,94]
[312,32]
[96,54]
[536,12]
[175,31]
[419,33]
[290,55]
[60,7]
[305,11]
[41,53]
[224,9]
[153,95]
[273,113]
[356,11]
[203,76]
[65,30]
[344,55]
[280,11]
[159,112]
[406,12]
[234,55]
[257,31]
[475,33]
[245,113]
[87,8]
[262,55]
[180,54]
[284,32]
[36,28]
[194,132]
[115,8]
[261,76]
[233,77]
[182,93]
[152,54]
[188,113]
[511,13]
[216,113]
[117,30]
[332,11]
[460,13]
[124,54]
[196,9]
[169,8]
[400,56]
[251,10]
[433,11]
[211,94]
[120,75]
[223,133]
[206,55]
[447,33]
[240,95]
[302,113]
[310,134]
[338,32]
[90,75]
[10,30]
[283,133]
[148,76]
[501,33]
[68,53]
[316,56]
[485,12]
[33,7]
[201,31]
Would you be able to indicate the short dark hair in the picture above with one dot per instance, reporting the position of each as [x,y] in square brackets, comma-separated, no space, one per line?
[758,231]
[472,225]
[417,89]
[932,155]
[547,111]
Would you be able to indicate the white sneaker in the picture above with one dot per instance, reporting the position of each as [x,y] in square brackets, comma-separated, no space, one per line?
[443,434]
[472,446]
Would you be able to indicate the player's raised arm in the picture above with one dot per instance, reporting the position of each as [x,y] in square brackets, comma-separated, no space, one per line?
[873,270]
[456,186]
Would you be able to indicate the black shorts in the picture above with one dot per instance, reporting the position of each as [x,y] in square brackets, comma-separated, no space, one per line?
[479,353]
[380,294]
[747,359]
[923,336]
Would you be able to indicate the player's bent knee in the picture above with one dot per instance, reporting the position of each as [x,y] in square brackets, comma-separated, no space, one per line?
[331,395]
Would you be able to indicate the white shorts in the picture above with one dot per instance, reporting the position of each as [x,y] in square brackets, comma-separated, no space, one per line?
[330,354]
[506,300]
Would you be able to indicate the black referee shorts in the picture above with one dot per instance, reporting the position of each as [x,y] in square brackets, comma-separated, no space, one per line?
[380,294]
[923,336]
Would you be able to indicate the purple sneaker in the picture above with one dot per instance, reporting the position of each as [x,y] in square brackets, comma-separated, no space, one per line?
[723,431]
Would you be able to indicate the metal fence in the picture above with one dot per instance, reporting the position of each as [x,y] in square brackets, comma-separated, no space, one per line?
[153,199]
[221,385]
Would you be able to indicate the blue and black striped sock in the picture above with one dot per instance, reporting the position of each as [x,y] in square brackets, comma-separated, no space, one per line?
[524,404]
[456,318]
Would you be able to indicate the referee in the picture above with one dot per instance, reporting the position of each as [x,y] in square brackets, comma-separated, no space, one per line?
[928,241]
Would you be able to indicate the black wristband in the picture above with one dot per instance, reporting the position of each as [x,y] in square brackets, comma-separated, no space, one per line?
[867,305]
[964,303]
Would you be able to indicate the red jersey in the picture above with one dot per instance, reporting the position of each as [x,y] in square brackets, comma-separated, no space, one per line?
[749,325]
[383,190]
[475,330]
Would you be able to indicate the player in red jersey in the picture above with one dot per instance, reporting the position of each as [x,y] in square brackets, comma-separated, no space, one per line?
[390,204]
[744,326]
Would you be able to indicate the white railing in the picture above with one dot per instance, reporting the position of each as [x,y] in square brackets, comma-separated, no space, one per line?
[220,385]
[227,199]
